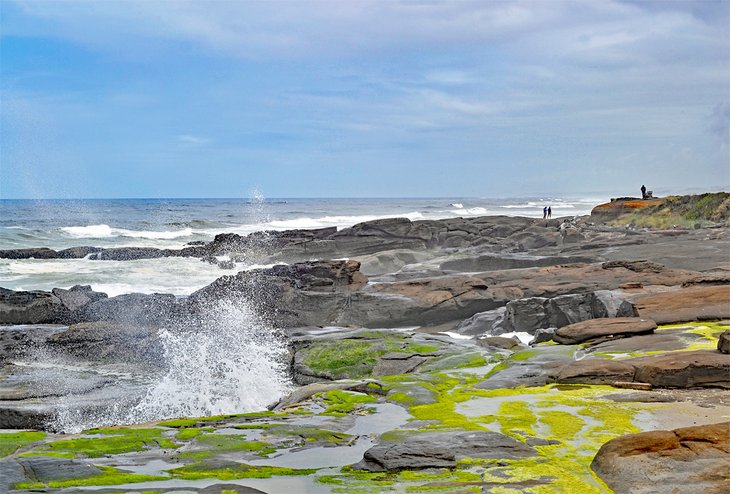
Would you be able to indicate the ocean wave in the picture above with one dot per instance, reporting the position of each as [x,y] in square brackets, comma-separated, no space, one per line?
[91,231]
[458,205]
[339,221]
[105,231]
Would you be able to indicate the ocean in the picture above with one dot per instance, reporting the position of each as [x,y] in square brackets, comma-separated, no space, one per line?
[172,223]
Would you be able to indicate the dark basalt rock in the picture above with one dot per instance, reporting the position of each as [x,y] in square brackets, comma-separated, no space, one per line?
[440,450]
[723,342]
[77,296]
[34,307]
[136,308]
[43,469]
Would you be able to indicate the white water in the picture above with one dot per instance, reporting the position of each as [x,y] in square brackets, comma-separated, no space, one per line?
[233,363]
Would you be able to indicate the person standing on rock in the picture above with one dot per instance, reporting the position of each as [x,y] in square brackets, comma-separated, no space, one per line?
[544,212]
[643,192]
[550,212]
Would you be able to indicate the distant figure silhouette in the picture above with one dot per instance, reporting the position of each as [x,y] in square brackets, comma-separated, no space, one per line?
[643,192]
[550,212]
[544,212]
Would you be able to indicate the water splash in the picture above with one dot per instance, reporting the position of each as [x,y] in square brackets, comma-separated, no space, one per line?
[232,362]
[229,360]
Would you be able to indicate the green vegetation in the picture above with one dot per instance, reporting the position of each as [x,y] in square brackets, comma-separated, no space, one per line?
[233,442]
[109,476]
[204,470]
[682,211]
[113,441]
[11,442]
[356,358]
[339,402]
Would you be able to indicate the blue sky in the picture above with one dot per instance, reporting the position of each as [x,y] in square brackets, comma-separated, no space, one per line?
[363,98]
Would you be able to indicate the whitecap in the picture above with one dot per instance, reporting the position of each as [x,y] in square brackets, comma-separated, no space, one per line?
[90,231]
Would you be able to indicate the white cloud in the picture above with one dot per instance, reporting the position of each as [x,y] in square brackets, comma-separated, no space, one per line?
[192,140]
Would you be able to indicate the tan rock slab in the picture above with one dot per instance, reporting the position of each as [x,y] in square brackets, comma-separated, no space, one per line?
[592,329]
[687,304]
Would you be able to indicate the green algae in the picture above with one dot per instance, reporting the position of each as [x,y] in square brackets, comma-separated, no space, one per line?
[187,433]
[339,402]
[109,476]
[52,454]
[228,442]
[516,417]
[346,358]
[114,441]
[454,362]
[201,421]
[562,425]
[11,442]
[310,434]
[203,470]
[356,358]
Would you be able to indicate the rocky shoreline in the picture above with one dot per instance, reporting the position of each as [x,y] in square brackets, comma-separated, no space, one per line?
[461,355]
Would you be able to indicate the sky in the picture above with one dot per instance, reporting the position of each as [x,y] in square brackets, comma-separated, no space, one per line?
[363,98]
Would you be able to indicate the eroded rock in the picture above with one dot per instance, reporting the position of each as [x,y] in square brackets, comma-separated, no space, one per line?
[592,329]
[682,461]
[440,450]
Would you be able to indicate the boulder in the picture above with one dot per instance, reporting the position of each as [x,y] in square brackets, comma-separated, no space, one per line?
[592,329]
[723,342]
[533,313]
[702,368]
[77,296]
[683,461]
[498,342]
[481,323]
[686,304]
[134,308]
[35,307]
[440,450]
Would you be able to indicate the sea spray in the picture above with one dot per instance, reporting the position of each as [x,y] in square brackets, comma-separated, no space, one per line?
[226,360]
[231,362]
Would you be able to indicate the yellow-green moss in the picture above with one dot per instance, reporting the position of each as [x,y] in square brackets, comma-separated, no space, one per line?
[10,442]
[242,471]
[113,441]
[232,442]
[339,402]
[186,434]
[562,425]
[109,476]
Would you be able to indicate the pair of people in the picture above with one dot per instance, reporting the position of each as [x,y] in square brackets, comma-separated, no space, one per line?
[547,212]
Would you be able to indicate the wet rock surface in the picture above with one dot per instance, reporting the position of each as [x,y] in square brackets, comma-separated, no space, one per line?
[440,450]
